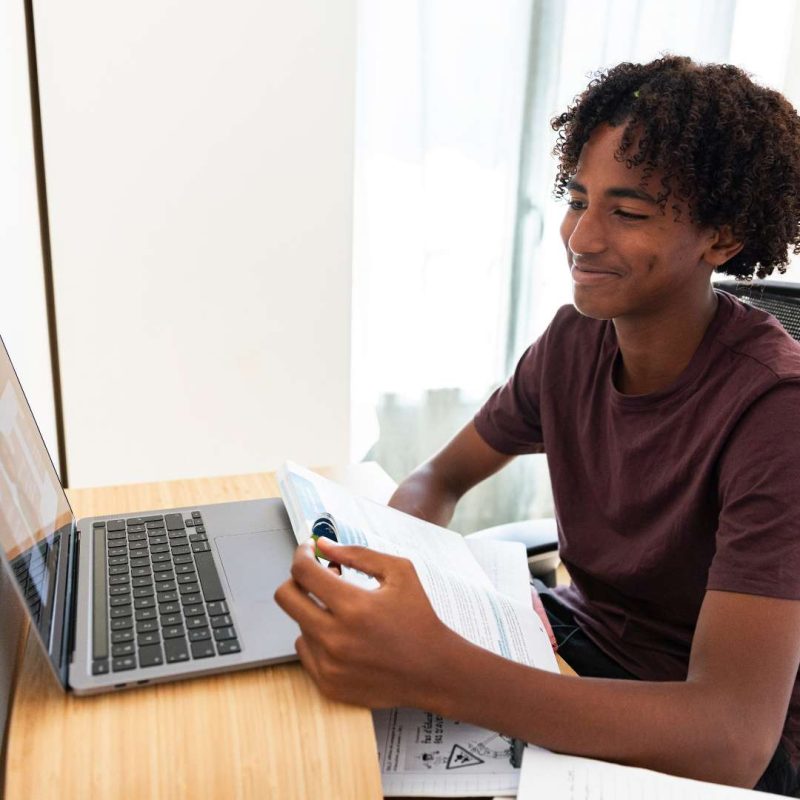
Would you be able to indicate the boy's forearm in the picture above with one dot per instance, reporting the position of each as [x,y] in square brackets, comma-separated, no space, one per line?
[676,727]
[423,495]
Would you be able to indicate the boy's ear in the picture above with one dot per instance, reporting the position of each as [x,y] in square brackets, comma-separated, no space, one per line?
[722,247]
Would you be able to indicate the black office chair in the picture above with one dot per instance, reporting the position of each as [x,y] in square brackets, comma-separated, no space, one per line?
[540,536]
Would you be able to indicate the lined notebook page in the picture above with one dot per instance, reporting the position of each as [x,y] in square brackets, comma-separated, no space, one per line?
[559,777]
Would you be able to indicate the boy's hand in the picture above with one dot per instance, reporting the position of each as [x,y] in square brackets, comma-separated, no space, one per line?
[379,648]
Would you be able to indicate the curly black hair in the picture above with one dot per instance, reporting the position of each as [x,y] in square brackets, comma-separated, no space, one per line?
[728,147]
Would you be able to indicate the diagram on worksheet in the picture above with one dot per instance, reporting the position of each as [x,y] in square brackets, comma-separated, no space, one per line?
[422,753]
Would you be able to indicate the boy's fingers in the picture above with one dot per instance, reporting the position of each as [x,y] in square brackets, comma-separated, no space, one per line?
[361,558]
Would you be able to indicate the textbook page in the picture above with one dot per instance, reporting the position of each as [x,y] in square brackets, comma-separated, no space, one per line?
[422,754]
[460,592]
[551,776]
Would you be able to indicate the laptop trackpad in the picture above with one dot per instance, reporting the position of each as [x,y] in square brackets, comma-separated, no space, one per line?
[255,564]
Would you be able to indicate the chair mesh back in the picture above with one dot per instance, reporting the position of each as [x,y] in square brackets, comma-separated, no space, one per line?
[780,300]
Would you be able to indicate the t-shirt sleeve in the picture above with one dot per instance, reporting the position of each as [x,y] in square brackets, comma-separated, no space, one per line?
[509,420]
[758,538]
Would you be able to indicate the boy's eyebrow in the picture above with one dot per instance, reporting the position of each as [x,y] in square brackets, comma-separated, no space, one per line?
[616,191]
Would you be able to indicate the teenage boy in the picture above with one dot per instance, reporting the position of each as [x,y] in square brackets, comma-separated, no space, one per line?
[670,415]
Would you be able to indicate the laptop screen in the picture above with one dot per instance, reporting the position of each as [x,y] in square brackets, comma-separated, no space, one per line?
[35,518]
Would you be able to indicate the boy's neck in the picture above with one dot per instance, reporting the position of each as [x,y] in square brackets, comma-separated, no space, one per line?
[656,349]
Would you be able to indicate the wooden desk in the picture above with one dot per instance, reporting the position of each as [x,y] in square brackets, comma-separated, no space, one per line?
[262,733]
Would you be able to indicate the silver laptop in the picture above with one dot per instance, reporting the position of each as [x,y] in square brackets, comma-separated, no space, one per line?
[130,599]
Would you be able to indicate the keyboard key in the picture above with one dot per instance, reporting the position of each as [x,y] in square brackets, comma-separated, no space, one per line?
[115,525]
[202,649]
[122,600]
[222,621]
[199,635]
[174,522]
[168,620]
[145,580]
[137,552]
[185,559]
[166,586]
[121,636]
[220,634]
[121,624]
[167,597]
[116,561]
[159,548]
[201,547]
[139,562]
[147,626]
[120,612]
[184,569]
[207,569]
[189,588]
[173,631]
[183,550]
[126,662]
[195,515]
[136,537]
[198,537]
[160,558]
[144,591]
[135,521]
[230,646]
[165,567]
[191,598]
[176,650]
[194,611]
[155,525]
[199,529]
[135,528]
[115,536]
[181,534]
[154,518]
[117,551]
[158,540]
[120,590]
[100,667]
[220,607]
[150,656]
[144,602]
[139,572]
[98,524]
[189,522]
[196,622]
[125,649]
[169,608]
[145,613]
[145,639]
[118,570]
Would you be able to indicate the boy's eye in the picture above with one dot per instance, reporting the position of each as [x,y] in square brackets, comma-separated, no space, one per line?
[576,205]
[629,215]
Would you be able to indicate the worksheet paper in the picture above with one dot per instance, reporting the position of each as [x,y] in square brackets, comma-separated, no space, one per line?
[551,776]
[450,570]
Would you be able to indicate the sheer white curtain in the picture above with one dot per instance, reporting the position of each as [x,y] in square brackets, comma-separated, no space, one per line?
[458,263]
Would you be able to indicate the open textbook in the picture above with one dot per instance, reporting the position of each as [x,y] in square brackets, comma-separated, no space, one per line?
[480,589]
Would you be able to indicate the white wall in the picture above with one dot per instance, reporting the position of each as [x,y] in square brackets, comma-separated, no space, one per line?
[199,166]
[23,320]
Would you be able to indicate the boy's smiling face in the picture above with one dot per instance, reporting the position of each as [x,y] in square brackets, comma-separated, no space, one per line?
[626,256]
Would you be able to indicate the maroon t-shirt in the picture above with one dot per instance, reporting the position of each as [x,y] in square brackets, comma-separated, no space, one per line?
[660,497]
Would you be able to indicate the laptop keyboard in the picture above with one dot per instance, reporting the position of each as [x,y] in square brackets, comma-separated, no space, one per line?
[164,602]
